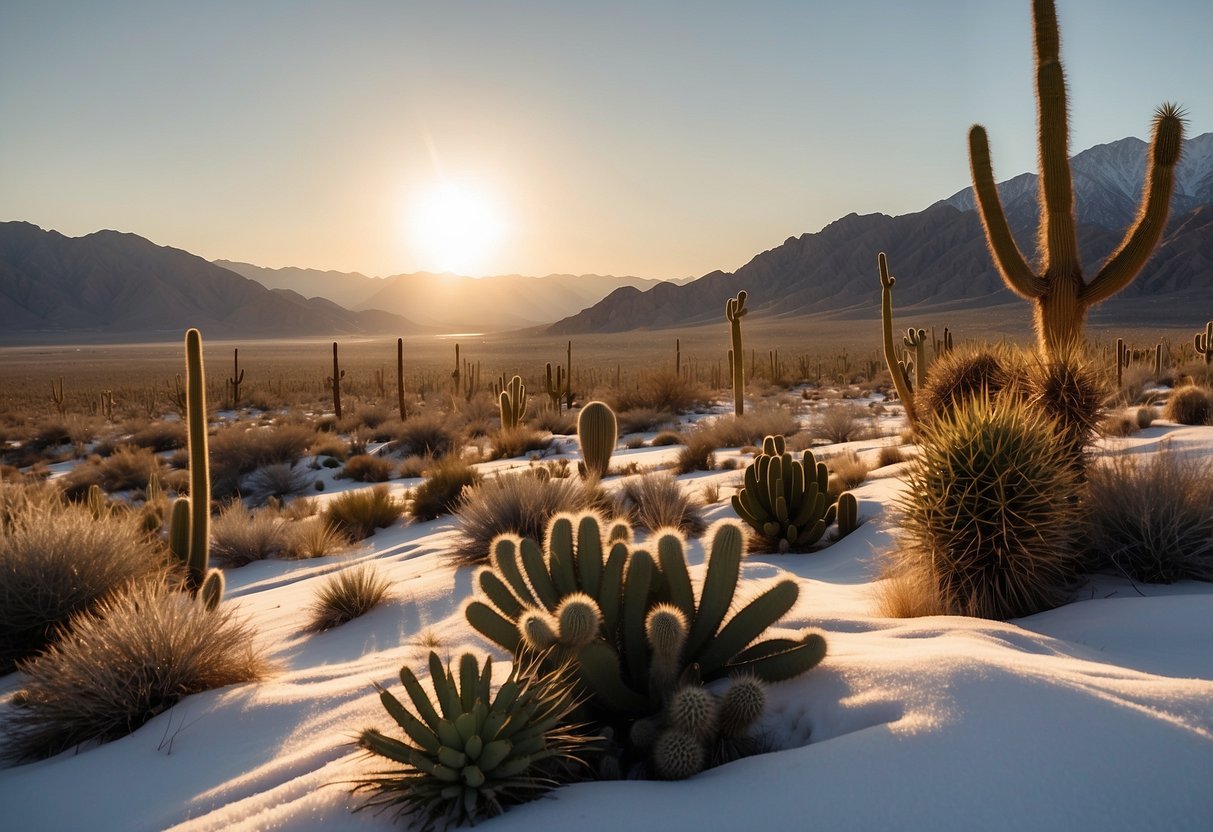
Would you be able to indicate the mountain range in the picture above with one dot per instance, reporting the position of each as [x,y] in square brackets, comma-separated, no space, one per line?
[110,284]
[447,301]
[940,253]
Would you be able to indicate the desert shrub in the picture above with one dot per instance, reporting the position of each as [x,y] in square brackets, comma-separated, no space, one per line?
[890,455]
[750,428]
[237,450]
[907,592]
[963,374]
[136,654]
[532,750]
[1189,405]
[415,466]
[1151,520]
[50,433]
[557,422]
[239,536]
[989,515]
[278,481]
[443,487]
[847,470]
[698,452]
[479,416]
[518,504]
[370,416]
[661,391]
[359,513]
[643,419]
[314,539]
[360,441]
[1135,381]
[298,509]
[426,434]
[159,436]
[331,446]
[346,595]
[518,441]
[656,501]
[56,560]
[367,468]
[841,423]
[667,437]
[129,469]
[1144,417]
[1118,424]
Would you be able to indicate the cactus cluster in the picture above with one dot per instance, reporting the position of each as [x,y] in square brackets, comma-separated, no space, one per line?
[597,432]
[512,402]
[784,499]
[631,622]
[189,525]
[469,753]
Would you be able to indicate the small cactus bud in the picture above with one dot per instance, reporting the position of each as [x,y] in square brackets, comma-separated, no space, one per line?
[741,706]
[579,620]
[693,709]
[677,755]
[537,630]
[666,628]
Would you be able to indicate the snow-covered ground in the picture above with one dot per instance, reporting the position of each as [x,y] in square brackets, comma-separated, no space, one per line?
[1097,715]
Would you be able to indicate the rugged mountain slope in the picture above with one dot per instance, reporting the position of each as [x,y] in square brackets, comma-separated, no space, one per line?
[110,283]
[940,252]
[445,300]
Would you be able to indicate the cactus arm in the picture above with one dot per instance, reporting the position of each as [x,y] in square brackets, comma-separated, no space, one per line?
[601,673]
[560,556]
[1139,243]
[499,593]
[504,558]
[1058,235]
[589,555]
[611,594]
[537,573]
[671,559]
[635,609]
[1007,257]
[719,585]
[748,624]
[786,664]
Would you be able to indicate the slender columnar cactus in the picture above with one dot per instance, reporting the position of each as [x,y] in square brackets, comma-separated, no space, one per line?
[597,431]
[1057,289]
[236,378]
[1157,360]
[847,509]
[512,403]
[784,499]
[678,357]
[943,345]
[333,382]
[568,379]
[1204,343]
[1123,355]
[897,368]
[400,376]
[57,396]
[916,339]
[189,533]
[734,311]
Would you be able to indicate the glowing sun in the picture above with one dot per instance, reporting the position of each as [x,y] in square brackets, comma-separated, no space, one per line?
[454,228]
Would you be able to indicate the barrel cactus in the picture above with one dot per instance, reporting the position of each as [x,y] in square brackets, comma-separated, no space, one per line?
[597,430]
[471,753]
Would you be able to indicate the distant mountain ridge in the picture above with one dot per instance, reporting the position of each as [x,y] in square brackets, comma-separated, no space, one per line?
[110,283]
[450,301]
[940,252]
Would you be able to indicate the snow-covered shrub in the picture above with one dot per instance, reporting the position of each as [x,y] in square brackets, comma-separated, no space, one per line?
[359,513]
[346,595]
[1151,520]
[56,560]
[471,753]
[989,514]
[134,655]
[238,450]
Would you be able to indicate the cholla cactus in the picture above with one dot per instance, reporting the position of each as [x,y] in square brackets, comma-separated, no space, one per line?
[470,753]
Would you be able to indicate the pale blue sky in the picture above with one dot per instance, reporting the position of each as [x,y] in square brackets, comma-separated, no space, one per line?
[651,138]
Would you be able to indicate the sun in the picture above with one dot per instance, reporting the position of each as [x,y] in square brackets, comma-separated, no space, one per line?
[454,228]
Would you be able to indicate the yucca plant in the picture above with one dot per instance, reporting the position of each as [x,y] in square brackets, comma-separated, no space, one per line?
[468,753]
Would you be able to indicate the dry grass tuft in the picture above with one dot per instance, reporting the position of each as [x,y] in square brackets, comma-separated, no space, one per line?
[842,423]
[442,489]
[367,468]
[359,513]
[509,443]
[239,536]
[656,501]
[519,504]
[139,653]
[1190,405]
[347,595]
[314,539]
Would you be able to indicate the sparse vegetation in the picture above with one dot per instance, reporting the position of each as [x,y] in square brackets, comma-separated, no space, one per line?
[348,594]
[657,500]
[359,513]
[519,504]
[442,489]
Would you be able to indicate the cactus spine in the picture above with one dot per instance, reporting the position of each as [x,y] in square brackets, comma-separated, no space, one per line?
[189,534]
[897,368]
[333,382]
[734,311]
[597,431]
[512,403]
[1058,292]
[1204,343]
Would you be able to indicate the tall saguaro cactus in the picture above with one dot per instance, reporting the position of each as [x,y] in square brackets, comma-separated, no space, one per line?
[1204,343]
[897,368]
[1059,294]
[334,383]
[734,310]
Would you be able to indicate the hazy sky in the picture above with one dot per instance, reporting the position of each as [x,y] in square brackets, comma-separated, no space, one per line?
[650,138]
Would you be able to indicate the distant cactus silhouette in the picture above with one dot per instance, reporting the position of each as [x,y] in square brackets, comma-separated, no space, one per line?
[333,382]
[1204,343]
[734,310]
[1059,294]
